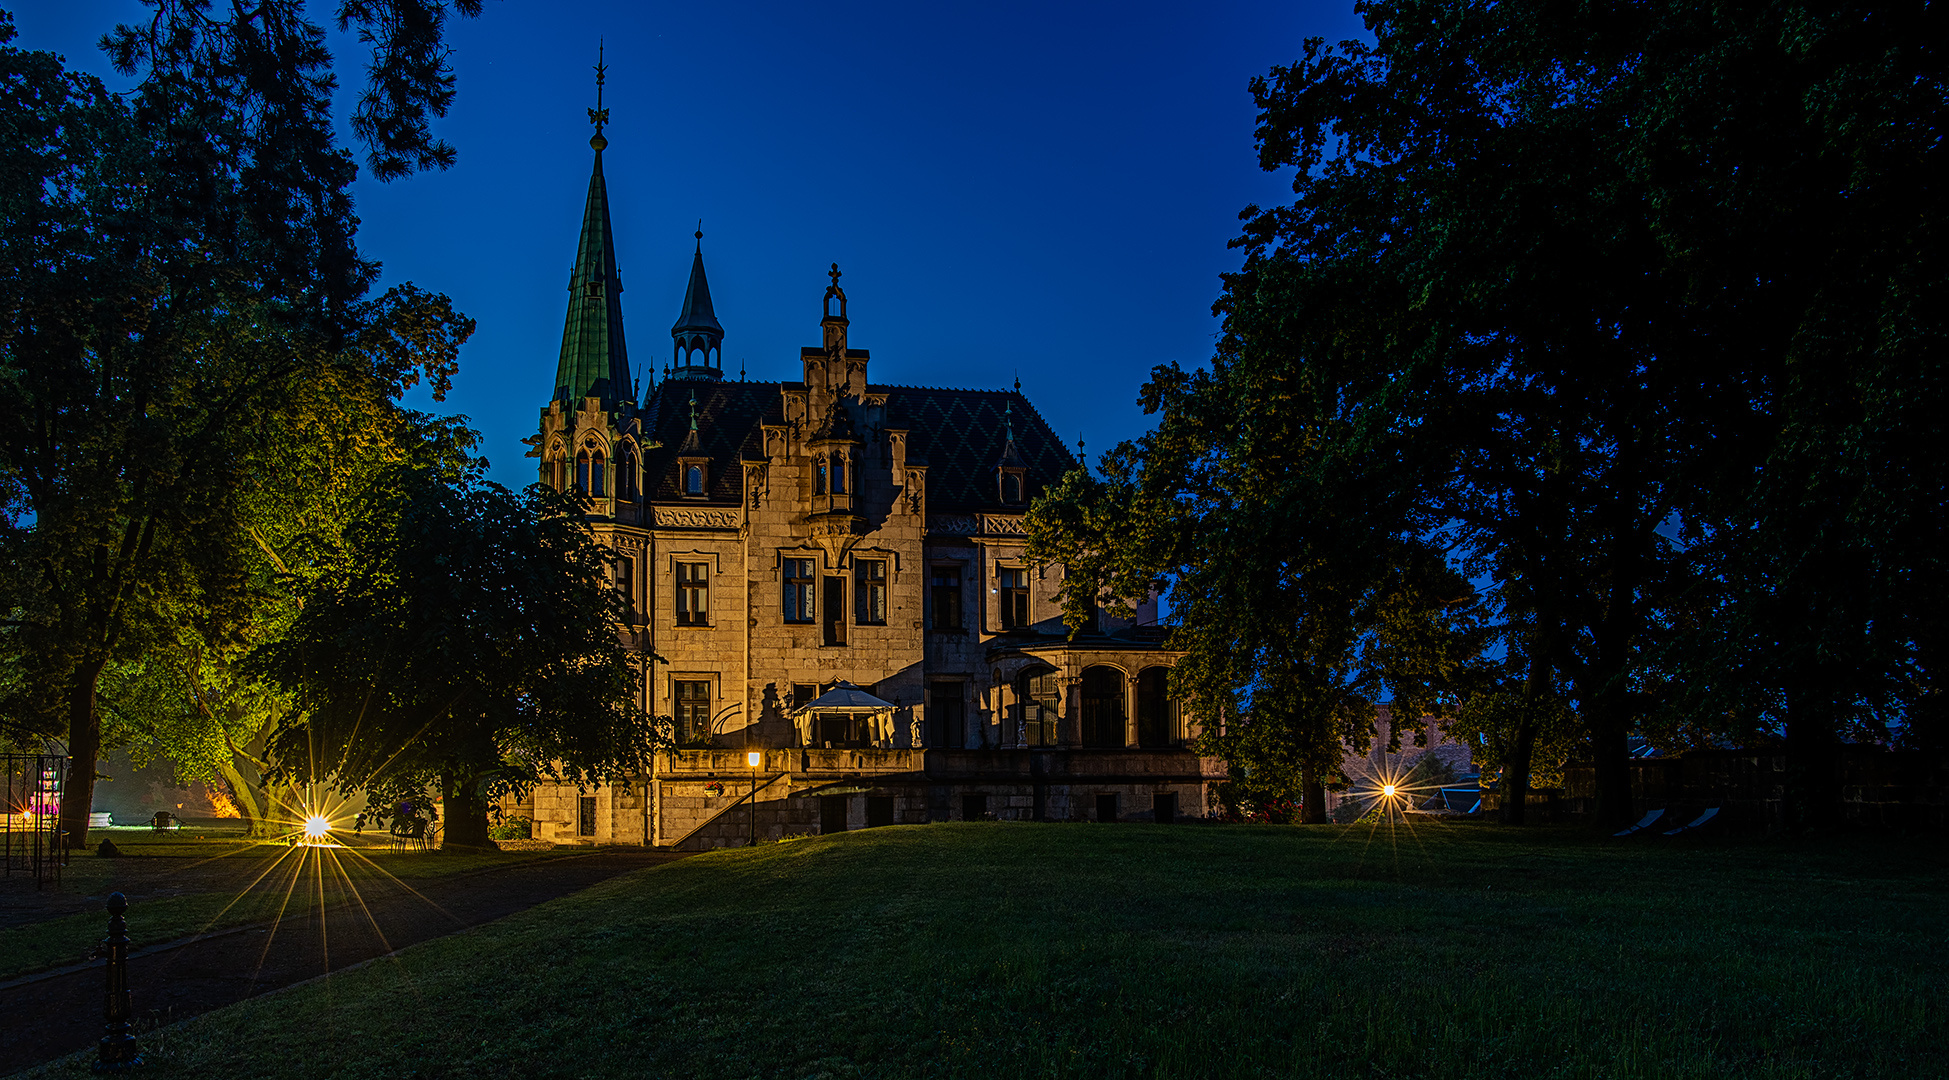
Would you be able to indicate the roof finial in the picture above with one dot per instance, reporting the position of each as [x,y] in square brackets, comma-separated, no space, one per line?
[693,412]
[834,275]
[699,234]
[740,369]
[1008,417]
[599,115]
[1018,382]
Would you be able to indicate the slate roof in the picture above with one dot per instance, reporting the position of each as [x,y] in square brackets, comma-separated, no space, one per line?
[960,435]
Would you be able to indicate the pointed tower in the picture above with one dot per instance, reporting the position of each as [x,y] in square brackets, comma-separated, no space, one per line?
[591,431]
[594,362]
[699,350]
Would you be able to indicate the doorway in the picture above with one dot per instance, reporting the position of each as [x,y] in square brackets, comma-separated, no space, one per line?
[832,814]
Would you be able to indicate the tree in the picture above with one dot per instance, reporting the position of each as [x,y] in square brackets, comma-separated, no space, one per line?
[470,640]
[176,264]
[1303,589]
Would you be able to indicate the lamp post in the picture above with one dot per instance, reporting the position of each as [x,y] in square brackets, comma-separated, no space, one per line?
[116,1052]
[753,758]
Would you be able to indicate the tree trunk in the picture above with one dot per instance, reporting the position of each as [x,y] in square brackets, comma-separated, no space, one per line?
[1312,796]
[1515,774]
[84,750]
[1813,782]
[1610,747]
[254,805]
[466,826]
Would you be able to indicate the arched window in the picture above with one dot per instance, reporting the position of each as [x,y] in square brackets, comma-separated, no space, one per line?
[838,475]
[693,480]
[1011,488]
[1103,707]
[819,477]
[1039,700]
[596,474]
[626,473]
[1156,712]
[582,472]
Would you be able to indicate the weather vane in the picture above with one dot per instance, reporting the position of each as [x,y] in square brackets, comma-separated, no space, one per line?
[599,115]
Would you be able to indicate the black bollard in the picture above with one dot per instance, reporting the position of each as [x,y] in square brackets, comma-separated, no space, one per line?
[117,1046]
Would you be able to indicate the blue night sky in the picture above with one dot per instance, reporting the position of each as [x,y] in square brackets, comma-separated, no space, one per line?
[1045,189]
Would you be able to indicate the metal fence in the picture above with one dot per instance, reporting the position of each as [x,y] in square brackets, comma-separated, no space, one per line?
[32,806]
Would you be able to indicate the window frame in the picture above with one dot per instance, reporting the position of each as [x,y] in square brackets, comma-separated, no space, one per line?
[687,588]
[808,613]
[949,733]
[699,707]
[869,590]
[956,593]
[1015,611]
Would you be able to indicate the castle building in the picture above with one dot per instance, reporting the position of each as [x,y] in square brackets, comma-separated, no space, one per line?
[833,570]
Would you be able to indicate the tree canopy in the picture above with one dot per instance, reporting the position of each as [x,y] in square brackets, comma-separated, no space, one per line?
[180,263]
[1627,310]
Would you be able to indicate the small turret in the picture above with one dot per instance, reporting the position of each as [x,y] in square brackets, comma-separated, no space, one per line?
[699,348]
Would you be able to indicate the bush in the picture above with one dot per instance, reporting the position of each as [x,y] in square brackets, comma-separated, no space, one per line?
[514,828]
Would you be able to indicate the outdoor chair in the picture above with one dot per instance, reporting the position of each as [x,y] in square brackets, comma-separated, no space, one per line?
[1645,823]
[1695,822]
[162,820]
[409,833]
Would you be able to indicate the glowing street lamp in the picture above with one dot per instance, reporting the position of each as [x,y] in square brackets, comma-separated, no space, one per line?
[753,758]
[317,829]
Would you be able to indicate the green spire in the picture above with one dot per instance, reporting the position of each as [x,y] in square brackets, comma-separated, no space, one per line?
[594,361]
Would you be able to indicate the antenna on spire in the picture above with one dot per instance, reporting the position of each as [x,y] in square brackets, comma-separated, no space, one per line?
[599,115]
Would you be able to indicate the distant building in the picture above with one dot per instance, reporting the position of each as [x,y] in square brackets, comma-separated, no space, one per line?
[775,539]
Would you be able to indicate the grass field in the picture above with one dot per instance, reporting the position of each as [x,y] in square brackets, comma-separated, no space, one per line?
[1007,950]
[284,881]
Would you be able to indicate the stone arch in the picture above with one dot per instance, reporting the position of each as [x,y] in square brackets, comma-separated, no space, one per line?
[1102,705]
[1157,713]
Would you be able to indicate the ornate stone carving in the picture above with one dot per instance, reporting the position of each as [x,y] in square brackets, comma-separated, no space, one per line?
[671,517]
[954,524]
[1003,524]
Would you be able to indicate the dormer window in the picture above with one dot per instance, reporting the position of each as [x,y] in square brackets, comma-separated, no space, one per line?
[1011,486]
[694,480]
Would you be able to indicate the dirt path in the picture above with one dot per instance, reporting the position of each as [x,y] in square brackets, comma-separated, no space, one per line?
[57,1015]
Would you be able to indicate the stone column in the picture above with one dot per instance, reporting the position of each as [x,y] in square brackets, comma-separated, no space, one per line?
[1070,734]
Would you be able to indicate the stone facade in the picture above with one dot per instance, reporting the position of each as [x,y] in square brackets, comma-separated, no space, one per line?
[774,538]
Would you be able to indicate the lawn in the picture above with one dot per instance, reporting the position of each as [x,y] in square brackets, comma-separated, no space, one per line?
[1013,950]
[258,882]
